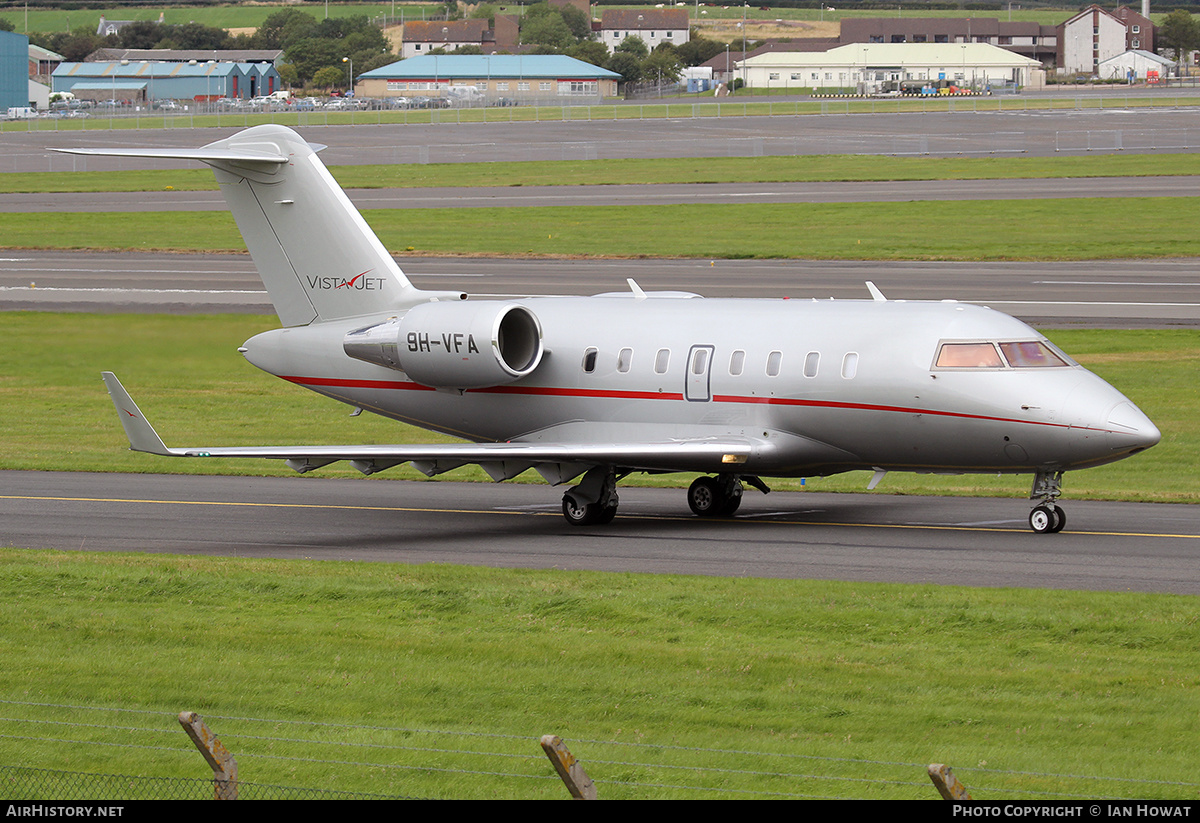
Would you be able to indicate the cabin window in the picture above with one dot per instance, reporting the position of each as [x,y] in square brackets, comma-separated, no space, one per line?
[812,361]
[850,365]
[661,361]
[1030,354]
[624,360]
[969,356]
[773,361]
[1016,354]
[700,361]
[737,362]
[589,360]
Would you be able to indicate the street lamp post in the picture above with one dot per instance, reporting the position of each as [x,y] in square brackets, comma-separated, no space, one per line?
[351,62]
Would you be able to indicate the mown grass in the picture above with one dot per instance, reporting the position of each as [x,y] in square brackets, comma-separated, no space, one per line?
[1078,229]
[189,379]
[805,168]
[1023,692]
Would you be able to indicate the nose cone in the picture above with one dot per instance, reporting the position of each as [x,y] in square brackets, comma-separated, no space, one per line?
[1105,425]
[1129,430]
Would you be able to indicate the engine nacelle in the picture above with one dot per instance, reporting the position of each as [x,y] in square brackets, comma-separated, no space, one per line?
[468,345]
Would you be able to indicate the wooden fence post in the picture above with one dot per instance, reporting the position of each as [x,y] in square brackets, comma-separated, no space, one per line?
[225,775]
[578,783]
[947,784]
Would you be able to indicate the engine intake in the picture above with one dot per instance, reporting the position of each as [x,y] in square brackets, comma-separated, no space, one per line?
[470,345]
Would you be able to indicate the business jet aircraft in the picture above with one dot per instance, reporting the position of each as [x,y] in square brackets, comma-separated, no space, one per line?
[637,381]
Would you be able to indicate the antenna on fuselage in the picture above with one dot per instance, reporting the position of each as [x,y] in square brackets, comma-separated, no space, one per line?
[876,294]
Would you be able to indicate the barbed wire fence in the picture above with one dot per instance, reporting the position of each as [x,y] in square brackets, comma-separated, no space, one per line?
[49,752]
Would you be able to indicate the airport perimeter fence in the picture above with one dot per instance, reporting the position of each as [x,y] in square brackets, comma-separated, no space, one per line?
[63,752]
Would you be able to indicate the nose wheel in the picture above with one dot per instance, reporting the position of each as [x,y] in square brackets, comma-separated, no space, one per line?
[1047,517]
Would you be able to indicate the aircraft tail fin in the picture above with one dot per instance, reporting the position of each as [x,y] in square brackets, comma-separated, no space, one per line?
[316,255]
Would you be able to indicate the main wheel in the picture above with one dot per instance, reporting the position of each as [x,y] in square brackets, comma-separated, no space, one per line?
[704,497]
[1045,520]
[581,514]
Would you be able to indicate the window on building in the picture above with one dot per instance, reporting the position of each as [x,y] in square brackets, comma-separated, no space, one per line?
[544,85]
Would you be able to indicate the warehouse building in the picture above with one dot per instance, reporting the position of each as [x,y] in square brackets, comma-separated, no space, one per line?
[146,81]
[865,67]
[521,77]
[14,70]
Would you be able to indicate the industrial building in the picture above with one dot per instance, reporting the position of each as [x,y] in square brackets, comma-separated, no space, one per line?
[865,67]
[523,77]
[14,71]
[146,81]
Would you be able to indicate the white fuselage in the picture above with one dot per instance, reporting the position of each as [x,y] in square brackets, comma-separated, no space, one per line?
[831,385]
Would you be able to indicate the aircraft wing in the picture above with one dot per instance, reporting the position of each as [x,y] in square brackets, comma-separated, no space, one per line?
[556,462]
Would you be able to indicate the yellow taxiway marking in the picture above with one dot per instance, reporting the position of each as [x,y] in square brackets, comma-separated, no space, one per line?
[731,521]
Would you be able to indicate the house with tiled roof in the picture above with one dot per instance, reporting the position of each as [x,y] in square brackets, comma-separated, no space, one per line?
[653,26]
[422,37]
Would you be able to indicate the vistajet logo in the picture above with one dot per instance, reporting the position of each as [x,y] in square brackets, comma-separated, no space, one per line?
[359,282]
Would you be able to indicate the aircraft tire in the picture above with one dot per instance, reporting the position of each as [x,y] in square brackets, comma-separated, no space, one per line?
[1045,520]
[587,514]
[705,498]
[1060,520]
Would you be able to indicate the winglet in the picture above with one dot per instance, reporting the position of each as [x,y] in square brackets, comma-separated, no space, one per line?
[876,294]
[142,436]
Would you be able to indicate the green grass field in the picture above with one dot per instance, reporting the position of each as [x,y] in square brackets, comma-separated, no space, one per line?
[1076,229]
[846,689]
[804,168]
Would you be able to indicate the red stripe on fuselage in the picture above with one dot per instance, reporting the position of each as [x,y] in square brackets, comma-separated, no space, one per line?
[610,394]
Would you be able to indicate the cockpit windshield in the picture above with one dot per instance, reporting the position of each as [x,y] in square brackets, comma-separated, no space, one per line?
[1019,354]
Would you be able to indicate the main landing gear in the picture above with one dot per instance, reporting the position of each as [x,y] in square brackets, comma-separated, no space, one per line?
[594,501]
[1047,517]
[717,496]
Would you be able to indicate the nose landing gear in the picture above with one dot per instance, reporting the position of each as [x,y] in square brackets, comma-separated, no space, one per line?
[1047,517]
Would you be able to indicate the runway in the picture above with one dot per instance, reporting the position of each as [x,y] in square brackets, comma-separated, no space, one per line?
[963,132]
[807,535]
[1109,293]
